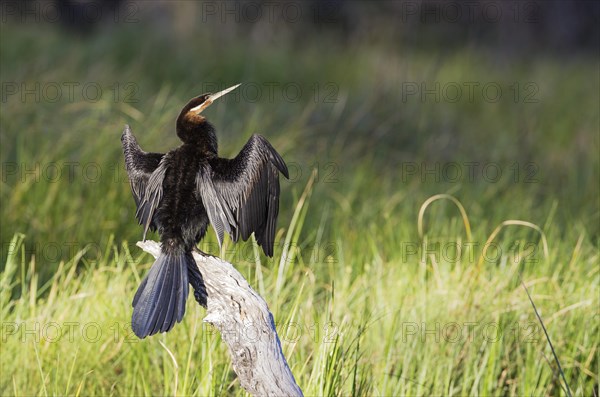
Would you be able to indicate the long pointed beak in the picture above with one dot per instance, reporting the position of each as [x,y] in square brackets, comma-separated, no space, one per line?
[198,109]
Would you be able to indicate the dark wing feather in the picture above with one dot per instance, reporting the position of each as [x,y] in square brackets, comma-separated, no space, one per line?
[145,177]
[218,212]
[247,188]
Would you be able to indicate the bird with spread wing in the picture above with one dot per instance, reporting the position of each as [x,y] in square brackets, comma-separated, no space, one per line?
[181,192]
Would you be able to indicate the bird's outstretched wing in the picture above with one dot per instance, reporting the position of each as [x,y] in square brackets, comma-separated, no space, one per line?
[146,173]
[241,195]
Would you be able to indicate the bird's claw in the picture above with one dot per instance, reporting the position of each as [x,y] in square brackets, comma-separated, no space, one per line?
[198,250]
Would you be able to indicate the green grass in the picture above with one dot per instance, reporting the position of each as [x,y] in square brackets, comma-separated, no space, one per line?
[365,304]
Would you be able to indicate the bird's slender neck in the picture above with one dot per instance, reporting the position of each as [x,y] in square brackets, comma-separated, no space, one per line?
[195,130]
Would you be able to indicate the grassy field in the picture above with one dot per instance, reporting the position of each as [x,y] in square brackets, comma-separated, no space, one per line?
[383,292]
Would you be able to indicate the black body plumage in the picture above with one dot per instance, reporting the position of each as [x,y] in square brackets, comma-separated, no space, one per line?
[180,193]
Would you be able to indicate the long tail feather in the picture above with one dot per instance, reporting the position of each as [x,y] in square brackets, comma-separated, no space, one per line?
[160,299]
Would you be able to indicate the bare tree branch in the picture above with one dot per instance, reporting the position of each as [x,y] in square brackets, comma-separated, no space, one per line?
[246,326]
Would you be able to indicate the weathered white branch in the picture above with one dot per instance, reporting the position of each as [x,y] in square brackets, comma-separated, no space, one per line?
[246,325]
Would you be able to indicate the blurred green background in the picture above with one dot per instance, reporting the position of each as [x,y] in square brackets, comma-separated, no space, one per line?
[384,103]
[347,89]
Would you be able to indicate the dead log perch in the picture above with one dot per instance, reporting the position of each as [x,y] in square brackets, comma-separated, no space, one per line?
[246,326]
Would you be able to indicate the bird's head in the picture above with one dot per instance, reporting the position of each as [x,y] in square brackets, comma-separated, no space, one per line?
[192,126]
